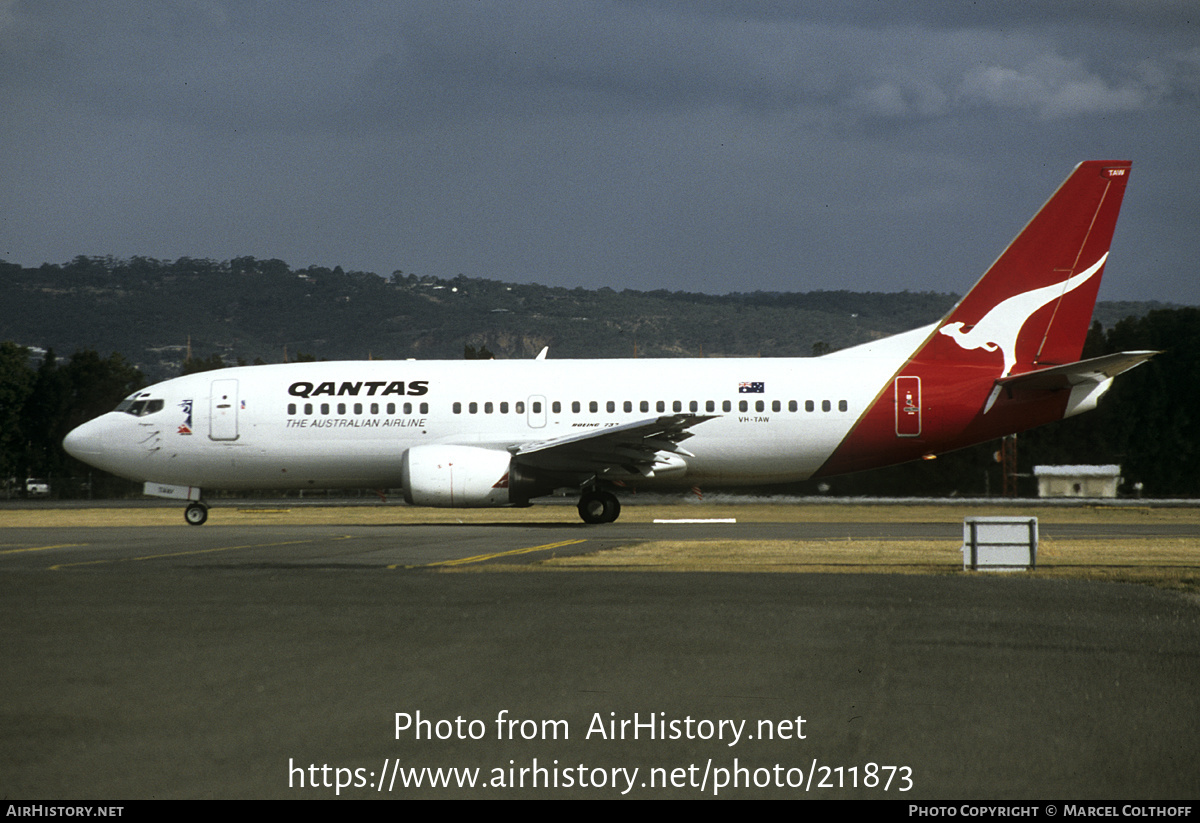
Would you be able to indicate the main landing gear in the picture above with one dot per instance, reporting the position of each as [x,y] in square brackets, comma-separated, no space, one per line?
[595,506]
[195,514]
[598,506]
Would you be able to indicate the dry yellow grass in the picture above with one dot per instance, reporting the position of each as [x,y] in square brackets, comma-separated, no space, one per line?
[1172,563]
[270,513]
[901,556]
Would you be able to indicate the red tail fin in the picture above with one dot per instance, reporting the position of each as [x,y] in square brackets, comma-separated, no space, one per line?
[1029,312]
[1035,302]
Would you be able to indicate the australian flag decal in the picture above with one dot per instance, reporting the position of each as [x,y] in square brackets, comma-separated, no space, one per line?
[186,426]
[752,388]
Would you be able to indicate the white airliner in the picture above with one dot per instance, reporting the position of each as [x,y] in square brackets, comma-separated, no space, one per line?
[501,433]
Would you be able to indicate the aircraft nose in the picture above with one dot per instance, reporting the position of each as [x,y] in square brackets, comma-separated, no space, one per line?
[83,442]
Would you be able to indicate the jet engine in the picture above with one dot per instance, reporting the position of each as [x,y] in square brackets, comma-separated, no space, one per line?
[465,477]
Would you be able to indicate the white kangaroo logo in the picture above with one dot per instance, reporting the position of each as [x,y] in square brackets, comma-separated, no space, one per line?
[1000,327]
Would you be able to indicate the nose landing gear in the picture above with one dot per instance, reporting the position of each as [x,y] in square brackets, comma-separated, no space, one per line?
[195,514]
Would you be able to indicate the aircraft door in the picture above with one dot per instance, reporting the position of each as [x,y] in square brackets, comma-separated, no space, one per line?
[537,411]
[223,410]
[908,406]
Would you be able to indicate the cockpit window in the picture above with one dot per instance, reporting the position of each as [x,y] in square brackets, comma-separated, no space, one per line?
[140,405]
[124,405]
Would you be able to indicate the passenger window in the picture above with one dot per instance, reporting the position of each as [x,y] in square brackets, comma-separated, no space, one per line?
[291,408]
[556,407]
[710,405]
[504,407]
[473,408]
[726,405]
[792,405]
[487,408]
[391,408]
[843,405]
[358,408]
[408,408]
[575,406]
[610,407]
[537,406]
[324,408]
[759,405]
[424,408]
[457,407]
[628,406]
[825,405]
[743,405]
[341,408]
[775,406]
[308,408]
[520,407]
[645,405]
[677,405]
[808,406]
[374,408]
[593,406]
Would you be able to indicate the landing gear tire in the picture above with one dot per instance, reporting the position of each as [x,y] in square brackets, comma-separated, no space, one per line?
[196,514]
[599,507]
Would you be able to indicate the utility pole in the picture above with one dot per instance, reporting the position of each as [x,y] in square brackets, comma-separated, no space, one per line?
[1008,464]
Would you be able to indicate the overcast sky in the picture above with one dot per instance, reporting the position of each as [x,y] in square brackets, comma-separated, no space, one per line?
[699,146]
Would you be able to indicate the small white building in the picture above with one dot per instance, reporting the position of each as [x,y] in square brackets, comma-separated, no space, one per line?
[1077,481]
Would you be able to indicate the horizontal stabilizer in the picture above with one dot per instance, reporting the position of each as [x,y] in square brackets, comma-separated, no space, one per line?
[1088,380]
[1095,370]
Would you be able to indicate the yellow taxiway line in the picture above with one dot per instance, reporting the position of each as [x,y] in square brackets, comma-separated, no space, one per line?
[479,558]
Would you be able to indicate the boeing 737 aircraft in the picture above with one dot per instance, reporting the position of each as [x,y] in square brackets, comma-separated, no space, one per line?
[501,433]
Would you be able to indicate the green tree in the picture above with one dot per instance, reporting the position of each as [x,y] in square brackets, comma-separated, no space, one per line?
[1154,419]
[198,364]
[43,419]
[1149,422]
[16,384]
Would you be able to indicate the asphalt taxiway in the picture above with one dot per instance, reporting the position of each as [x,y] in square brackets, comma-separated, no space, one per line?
[407,545]
[255,661]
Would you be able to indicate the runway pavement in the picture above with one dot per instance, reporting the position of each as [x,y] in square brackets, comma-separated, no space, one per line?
[257,661]
[347,544]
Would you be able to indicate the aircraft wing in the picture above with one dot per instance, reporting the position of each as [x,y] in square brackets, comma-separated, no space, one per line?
[636,448]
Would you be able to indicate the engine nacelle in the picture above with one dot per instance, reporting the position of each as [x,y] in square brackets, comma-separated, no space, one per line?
[458,477]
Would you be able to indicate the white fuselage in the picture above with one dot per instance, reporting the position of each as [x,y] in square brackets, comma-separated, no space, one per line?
[347,424]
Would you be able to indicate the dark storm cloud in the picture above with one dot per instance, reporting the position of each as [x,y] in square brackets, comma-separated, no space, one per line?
[707,146]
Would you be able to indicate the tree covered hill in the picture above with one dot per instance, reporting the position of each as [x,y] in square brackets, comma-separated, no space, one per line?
[247,309]
[126,322]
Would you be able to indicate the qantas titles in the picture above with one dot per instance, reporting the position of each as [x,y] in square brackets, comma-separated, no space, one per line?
[415,388]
